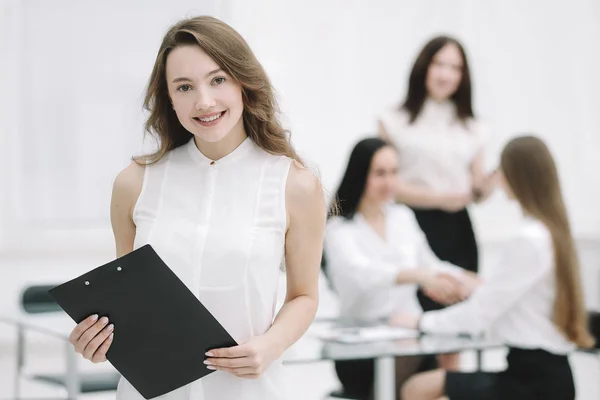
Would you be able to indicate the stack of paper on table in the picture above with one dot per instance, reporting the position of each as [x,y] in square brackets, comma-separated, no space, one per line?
[364,334]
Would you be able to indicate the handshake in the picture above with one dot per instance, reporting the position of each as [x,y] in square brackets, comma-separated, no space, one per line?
[448,289]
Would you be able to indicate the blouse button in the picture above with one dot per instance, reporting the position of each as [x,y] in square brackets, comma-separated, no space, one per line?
[212,163]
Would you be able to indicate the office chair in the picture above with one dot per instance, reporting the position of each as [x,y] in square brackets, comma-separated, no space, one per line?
[37,300]
[340,394]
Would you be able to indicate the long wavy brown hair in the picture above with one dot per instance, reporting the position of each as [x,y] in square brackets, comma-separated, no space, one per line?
[531,173]
[231,52]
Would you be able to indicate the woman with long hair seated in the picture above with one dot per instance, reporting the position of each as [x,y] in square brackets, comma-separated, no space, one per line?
[532,300]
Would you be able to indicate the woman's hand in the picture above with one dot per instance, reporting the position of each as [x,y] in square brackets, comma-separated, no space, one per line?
[469,282]
[455,201]
[448,289]
[248,360]
[92,338]
[443,288]
[482,190]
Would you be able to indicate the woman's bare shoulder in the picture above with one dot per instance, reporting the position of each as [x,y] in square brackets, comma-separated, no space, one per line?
[128,183]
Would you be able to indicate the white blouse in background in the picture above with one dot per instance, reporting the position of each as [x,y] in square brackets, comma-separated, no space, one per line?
[437,150]
[516,301]
[362,266]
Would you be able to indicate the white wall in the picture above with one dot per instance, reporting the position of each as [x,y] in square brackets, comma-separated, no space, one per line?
[75,117]
[72,84]
[339,63]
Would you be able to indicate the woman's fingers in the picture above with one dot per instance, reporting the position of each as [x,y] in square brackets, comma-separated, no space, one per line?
[96,342]
[100,354]
[81,328]
[90,334]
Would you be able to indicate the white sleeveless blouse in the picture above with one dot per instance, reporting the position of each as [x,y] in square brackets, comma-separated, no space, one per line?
[437,150]
[220,226]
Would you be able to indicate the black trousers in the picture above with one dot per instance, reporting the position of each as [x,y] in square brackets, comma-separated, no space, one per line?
[451,238]
[358,376]
[532,374]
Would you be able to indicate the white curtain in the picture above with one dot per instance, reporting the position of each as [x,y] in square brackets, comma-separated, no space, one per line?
[82,68]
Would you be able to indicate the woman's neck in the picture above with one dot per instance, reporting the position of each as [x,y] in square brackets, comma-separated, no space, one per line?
[438,101]
[217,150]
[371,211]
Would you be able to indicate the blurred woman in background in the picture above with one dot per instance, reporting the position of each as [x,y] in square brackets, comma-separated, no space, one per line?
[377,256]
[441,147]
[532,299]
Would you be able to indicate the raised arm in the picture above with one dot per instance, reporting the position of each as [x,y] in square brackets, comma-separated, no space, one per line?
[522,267]
[354,274]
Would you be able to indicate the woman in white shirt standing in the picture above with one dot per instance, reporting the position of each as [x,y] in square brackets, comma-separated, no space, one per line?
[376,256]
[441,154]
[532,300]
[224,200]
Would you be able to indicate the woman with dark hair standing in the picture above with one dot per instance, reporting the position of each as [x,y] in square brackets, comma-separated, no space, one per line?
[441,152]
[377,256]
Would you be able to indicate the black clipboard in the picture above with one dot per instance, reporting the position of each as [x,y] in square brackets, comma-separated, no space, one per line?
[162,331]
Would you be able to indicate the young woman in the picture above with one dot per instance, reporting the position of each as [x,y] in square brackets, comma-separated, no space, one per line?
[532,300]
[224,201]
[441,157]
[377,257]
[441,152]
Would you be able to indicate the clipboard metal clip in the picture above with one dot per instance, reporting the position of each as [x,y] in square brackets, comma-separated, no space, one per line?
[87,283]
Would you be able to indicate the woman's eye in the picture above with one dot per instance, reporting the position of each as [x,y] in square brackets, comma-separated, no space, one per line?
[184,88]
[219,80]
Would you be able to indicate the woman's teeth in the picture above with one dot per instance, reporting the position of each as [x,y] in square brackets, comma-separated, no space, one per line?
[210,119]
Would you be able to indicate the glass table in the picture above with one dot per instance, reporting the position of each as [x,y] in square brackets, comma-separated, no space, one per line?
[312,347]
